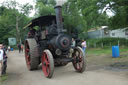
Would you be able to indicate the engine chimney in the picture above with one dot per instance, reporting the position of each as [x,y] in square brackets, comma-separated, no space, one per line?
[59,21]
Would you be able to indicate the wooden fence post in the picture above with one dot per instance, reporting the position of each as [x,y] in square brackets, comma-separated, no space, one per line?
[94,45]
[88,45]
[118,43]
[102,45]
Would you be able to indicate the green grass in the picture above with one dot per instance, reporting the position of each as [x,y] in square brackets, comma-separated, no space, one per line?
[3,78]
[100,51]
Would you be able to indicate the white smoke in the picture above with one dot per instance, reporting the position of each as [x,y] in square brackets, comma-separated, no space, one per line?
[60,2]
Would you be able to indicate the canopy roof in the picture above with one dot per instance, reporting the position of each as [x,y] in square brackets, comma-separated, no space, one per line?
[42,21]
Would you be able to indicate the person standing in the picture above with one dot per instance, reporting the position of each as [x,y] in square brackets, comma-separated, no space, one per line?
[72,46]
[83,44]
[73,43]
[1,58]
[19,47]
[4,62]
[22,47]
[9,48]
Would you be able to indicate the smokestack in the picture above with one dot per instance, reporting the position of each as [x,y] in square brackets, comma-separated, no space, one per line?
[59,21]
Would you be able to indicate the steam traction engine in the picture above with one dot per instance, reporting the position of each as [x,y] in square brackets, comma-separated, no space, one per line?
[48,44]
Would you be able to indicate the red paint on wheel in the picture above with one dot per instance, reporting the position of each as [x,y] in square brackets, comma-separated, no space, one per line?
[27,55]
[45,64]
[78,62]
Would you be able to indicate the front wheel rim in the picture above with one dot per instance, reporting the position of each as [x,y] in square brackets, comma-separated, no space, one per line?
[45,64]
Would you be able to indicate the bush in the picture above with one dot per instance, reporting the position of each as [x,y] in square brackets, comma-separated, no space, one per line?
[107,42]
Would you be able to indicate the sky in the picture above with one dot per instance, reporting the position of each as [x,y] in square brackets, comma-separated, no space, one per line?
[24,2]
[32,2]
[29,1]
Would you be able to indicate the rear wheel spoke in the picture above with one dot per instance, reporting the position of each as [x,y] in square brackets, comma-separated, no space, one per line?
[79,62]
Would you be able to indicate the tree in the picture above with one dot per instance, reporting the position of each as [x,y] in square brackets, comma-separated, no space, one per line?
[12,20]
[20,12]
[84,15]
[6,27]
[119,8]
[45,7]
[95,12]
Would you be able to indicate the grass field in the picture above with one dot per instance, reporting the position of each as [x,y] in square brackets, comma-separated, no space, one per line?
[99,57]
[100,51]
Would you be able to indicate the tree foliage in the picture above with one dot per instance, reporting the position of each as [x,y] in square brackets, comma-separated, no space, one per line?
[86,15]
[79,15]
[45,7]
[119,8]
[94,13]
[12,19]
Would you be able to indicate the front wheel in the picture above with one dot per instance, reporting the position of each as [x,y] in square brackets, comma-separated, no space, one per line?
[47,63]
[79,61]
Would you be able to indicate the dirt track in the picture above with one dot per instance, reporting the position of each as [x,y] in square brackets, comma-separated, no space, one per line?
[18,74]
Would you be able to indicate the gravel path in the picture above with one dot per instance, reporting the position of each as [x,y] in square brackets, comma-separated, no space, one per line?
[18,74]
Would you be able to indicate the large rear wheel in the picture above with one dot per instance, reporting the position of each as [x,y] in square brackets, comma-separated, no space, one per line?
[79,62]
[47,63]
[31,54]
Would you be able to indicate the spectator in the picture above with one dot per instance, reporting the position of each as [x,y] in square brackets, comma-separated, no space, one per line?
[4,48]
[19,47]
[83,44]
[1,58]
[73,43]
[9,48]
[22,47]
[4,62]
